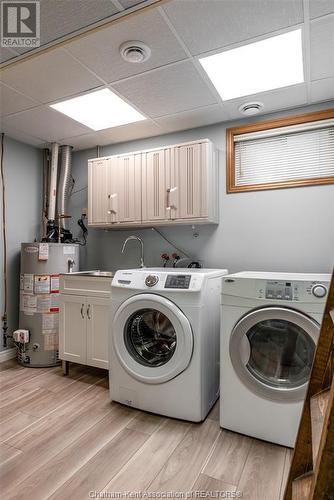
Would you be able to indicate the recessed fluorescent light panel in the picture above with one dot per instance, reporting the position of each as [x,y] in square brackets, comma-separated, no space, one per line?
[98,110]
[265,65]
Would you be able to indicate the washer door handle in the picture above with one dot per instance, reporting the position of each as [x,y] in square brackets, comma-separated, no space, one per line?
[245,350]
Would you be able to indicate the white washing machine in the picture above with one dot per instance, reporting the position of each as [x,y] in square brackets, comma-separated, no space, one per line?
[164,340]
[269,330]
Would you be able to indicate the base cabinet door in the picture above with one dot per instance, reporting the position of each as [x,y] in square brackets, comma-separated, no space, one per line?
[72,328]
[97,331]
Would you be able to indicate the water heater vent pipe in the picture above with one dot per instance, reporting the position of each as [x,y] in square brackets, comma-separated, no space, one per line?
[64,185]
[53,181]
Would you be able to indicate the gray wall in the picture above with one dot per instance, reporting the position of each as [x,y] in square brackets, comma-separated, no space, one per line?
[23,182]
[277,230]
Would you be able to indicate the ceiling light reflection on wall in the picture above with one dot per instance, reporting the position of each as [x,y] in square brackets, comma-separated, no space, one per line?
[99,110]
[257,67]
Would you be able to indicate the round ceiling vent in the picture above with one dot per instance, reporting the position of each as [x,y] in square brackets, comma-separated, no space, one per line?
[251,108]
[135,52]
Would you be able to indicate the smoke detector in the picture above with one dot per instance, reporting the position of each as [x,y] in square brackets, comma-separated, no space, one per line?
[251,108]
[135,52]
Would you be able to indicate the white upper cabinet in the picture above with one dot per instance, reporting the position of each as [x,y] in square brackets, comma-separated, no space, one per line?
[189,177]
[156,185]
[97,191]
[128,192]
[172,185]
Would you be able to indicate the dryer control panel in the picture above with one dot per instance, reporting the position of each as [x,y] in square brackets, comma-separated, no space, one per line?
[281,290]
[292,290]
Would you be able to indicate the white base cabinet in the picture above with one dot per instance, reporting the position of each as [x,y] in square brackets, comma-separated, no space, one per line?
[84,320]
[166,186]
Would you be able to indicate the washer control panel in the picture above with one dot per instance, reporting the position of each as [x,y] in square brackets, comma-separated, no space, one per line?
[177,281]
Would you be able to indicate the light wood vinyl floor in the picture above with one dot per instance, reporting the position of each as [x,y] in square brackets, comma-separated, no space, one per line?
[61,438]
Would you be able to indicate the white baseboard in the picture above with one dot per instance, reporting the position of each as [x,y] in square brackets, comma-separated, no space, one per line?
[7,354]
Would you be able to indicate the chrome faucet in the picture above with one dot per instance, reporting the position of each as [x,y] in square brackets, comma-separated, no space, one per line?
[70,265]
[136,238]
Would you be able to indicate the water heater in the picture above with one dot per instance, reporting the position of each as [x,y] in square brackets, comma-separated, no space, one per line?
[41,265]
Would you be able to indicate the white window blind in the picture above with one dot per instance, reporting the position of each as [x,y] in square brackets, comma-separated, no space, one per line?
[296,152]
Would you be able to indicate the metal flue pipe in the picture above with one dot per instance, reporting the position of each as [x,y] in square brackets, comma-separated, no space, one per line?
[53,181]
[64,185]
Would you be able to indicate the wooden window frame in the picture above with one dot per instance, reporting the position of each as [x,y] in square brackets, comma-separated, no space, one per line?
[267,125]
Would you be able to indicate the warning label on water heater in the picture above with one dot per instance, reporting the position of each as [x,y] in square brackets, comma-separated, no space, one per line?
[28,303]
[42,284]
[27,283]
[55,283]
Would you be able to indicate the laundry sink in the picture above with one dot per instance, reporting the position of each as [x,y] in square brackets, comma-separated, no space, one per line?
[96,273]
[88,283]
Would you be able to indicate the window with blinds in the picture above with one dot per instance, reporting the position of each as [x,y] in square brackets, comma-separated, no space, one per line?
[292,154]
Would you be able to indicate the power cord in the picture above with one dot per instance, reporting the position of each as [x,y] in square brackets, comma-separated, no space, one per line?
[170,243]
[4,238]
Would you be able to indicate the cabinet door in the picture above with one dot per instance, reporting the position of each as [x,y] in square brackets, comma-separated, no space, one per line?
[189,175]
[72,328]
[98,311]
[124,189]
[97,191]
[156,185]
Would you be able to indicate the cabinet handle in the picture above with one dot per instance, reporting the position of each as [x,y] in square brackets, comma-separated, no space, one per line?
[111,209]
[82,311]
[88,312]
[170,191]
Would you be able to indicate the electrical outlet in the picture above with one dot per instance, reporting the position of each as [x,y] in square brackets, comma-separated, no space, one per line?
[84,212]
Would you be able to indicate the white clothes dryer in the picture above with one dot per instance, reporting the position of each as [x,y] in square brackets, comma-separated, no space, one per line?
[269,331]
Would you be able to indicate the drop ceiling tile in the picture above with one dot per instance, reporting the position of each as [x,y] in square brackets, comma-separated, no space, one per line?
[62,17]
[127,4]
[284,98]
[148,27]
[49,76]
[45,123]
[167,91]
[12,132]
[6,54]
[130,132]
[192,119]
[13,102]
[320,8]
[84,141]
[206,25]
[322,48]
[322,90]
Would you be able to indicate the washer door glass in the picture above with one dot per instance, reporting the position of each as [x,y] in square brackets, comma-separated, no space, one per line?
[150,337]
[281,353]
[272,350]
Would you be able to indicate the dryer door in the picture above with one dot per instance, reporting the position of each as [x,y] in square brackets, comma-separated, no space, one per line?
[272,350]
[152,338]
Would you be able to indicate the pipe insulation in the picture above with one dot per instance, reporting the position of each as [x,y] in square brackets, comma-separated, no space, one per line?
[64,185]
[53,181]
